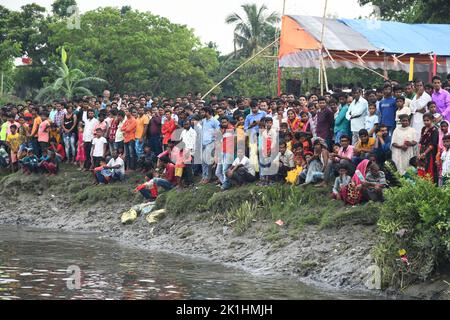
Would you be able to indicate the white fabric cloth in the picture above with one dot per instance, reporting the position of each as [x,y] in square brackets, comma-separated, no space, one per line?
[401,158]
[404,110]
[418,103]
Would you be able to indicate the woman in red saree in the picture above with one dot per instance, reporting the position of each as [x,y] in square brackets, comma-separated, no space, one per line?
[293,121]
[305,125]
[428,148]
[352,194]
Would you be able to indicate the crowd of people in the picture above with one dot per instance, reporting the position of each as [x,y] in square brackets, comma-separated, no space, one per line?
[341,139]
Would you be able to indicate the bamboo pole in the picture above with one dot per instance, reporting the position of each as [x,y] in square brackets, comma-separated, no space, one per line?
[322,69]
[1,85]
[362,66]
[278,61]
[239,67]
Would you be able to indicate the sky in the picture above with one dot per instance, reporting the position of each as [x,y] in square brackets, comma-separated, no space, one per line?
[207,17]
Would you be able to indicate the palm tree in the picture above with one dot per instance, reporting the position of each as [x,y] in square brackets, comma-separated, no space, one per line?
[254,30]
[69,83]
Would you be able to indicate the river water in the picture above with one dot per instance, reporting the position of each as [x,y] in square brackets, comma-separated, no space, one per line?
[41,264]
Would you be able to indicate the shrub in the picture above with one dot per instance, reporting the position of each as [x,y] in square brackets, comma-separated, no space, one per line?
[416,218]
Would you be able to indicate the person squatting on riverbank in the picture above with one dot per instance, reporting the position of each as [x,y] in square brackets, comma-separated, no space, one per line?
[339,140]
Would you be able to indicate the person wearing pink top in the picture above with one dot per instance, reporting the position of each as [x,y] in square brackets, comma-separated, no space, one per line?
[43,131]
[442,98]
[343,156]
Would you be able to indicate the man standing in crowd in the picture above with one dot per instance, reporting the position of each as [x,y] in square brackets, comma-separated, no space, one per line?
[88,134]
[210,126]
[325,121]
[442,98]
[388,107]
[357,113]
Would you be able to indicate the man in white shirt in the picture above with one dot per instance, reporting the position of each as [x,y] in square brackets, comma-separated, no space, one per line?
[117,166]
[88,134]
[188,136]
[241,170]
[357,113]
[419,108]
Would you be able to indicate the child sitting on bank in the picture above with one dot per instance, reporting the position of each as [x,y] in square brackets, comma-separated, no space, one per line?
[102,174]
[340,183]
[58,149]
[146,160]
[30,163]
[49,163]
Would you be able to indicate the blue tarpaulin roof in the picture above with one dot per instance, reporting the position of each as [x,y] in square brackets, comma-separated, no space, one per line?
[397,37]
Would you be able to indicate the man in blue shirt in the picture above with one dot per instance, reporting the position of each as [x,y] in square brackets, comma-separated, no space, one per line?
[388,107]
[210,127]
[382,148]
[251,124]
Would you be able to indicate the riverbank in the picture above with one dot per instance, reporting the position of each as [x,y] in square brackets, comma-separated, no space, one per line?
[321,241]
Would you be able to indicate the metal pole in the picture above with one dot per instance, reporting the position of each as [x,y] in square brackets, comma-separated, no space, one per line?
[243,64]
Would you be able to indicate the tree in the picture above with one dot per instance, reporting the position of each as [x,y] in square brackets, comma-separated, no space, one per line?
[125,9]
[254,30]
[61,8]
[69,83]
[137,52]
[413,11]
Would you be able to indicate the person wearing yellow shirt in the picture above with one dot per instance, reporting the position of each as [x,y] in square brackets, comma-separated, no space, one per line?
[142,122]
[292,175]
[363,147]
[13,142]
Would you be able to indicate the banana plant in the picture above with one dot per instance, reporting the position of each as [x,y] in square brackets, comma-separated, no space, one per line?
[69,83]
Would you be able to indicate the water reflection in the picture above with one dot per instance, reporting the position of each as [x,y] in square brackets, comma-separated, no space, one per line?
[33,265]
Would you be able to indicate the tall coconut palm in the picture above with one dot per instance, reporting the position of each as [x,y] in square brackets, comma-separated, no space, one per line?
[253,30]
[69,84]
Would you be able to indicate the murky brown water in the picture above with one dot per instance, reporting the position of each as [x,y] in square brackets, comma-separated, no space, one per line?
[34,265]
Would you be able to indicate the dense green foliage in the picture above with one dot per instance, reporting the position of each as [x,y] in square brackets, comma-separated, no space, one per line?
[134,51]
[415,11]
[415,218]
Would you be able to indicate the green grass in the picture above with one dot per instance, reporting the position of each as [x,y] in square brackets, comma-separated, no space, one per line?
[297,207]
[192,200]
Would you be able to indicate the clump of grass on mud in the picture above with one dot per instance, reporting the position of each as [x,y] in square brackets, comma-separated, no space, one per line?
[181,201]
[296,206]
[116,192]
